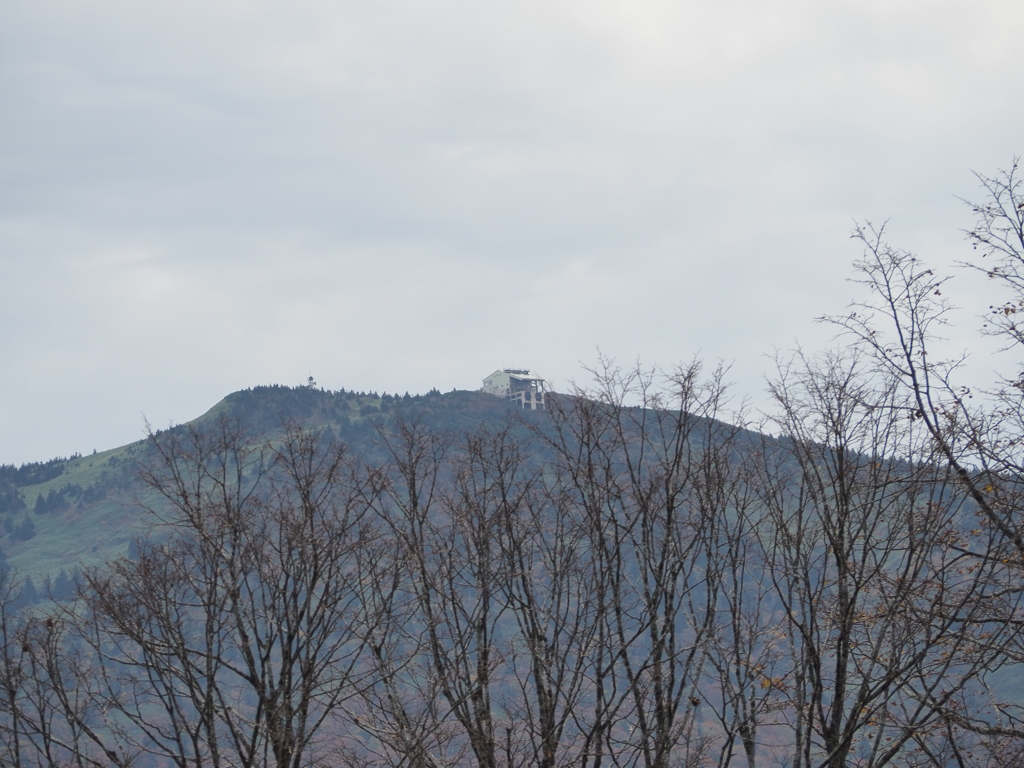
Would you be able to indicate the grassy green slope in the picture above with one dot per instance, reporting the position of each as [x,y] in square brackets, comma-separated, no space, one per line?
[84,533]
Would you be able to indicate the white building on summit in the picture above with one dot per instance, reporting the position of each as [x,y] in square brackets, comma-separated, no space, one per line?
[520,386]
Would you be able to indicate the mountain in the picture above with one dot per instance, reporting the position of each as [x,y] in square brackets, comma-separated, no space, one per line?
[820,584]
[84,510]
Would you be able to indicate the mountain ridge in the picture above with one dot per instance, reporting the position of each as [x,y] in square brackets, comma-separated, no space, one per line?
[94,506]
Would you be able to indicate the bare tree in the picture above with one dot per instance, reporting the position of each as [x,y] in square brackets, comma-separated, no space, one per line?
[238,636]
[12,650]
[748,677]
[887,623]
[978,433]
[429,702]
[643,459]
[544,545]
[444,527]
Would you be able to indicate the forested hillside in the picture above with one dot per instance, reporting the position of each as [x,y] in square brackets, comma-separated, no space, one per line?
[439,581]
[60,514]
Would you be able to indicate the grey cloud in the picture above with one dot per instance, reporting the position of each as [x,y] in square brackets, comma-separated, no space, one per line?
[400,195]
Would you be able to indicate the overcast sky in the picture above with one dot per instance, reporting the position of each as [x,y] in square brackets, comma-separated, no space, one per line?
[198,197]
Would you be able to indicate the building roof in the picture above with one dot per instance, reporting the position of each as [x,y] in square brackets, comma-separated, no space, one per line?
[520,374]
